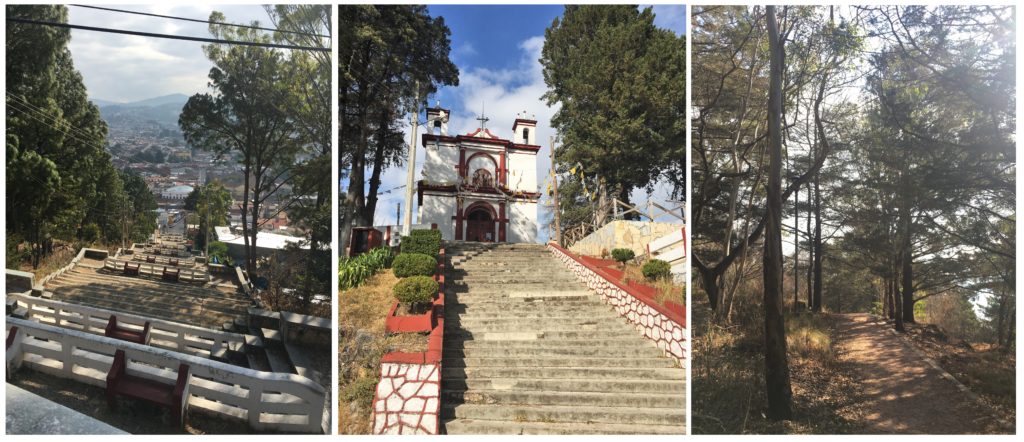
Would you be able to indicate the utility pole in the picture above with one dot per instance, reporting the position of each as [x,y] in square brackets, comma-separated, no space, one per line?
[398,213]
[554,185]
[411,176]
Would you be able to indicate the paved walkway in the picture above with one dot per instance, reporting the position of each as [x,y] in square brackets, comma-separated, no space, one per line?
[28,413]
[902,392]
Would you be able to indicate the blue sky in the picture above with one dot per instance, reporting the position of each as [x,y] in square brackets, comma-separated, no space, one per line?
[497,49]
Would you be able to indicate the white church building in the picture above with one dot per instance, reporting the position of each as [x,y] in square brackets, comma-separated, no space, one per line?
[478,186]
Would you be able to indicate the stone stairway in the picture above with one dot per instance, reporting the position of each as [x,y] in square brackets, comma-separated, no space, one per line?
[529,350]
[178,302]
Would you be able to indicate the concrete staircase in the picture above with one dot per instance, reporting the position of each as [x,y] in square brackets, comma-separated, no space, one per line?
[529,350]
[178,302]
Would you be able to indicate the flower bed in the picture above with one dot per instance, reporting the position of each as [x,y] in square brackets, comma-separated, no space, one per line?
[663,324]
[408,396]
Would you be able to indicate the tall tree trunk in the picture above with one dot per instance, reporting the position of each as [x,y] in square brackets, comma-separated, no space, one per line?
[367,215]
[354,201]
[776,365]
[817,248]
[796,249]
[810,258]
[897,296]
[246,199]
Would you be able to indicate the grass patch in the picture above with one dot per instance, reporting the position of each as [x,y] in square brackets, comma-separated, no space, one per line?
[667,289]
[983,368]
[728,375]
[362,343]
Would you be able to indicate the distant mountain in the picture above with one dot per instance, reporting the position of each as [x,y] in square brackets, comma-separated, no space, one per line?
[99,102]
[163,110]
[177,99]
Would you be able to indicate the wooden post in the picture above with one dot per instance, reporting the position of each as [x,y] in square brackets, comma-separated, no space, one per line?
[554,185]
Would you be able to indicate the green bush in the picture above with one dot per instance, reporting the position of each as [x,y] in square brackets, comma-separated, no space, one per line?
[415,289]
[427,242]
[656,269]
[622,255]
[414,264]
[353,271]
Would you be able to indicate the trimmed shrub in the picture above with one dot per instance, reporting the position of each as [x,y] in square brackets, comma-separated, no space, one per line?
[622,255]
[414,264]
[656,269]
[416,289]
[427,242]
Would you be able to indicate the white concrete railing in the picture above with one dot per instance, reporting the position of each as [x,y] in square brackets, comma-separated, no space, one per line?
[163,259]
[175,336]
[60,271]
[267,401]
[157,270]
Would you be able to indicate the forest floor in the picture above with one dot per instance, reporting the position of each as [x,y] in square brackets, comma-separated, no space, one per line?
[987,371]
[900,392]
[727,371]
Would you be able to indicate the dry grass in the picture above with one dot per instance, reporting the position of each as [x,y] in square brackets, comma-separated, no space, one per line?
[362,341]
[667,290]
[983,368]
[728,375]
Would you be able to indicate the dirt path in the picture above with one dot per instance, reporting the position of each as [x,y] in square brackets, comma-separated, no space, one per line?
[901,392]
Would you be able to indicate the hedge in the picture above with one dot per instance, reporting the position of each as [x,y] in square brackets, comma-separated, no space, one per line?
[414,264]
[427,242]
[622,255]
[416,289]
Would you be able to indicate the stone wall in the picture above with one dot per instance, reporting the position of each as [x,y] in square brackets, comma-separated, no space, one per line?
[633,235]
[408,399]
[666,328]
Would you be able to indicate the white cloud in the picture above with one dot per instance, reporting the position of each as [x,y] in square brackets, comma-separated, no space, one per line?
[126,68]
[504,93]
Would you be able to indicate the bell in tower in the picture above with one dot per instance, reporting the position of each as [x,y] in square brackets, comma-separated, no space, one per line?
[437,120]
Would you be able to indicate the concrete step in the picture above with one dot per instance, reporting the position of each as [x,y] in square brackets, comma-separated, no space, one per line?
[478,426]
[571,362]
[130,281]
[502,373]
[70,294]
[612,398]
[567,414]
[209,320]
[518,294]
[483,322]
[599,335]
[570,352]
[169,291]
[616,343]
[661,386]
[529,309]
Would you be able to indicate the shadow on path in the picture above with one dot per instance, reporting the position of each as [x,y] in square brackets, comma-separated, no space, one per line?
[901,392]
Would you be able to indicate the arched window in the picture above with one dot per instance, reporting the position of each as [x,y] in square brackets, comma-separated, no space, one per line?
[437,127]
[526,135]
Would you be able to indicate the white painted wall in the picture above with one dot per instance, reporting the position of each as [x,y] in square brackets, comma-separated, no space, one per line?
[481,162]
[522,171]
[522,225]
[439,166]
[440,210]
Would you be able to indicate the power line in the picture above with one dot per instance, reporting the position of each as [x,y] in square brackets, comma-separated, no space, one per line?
[202,21]
[167,36]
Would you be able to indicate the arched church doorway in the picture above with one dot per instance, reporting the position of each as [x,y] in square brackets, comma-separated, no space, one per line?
[480,225]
